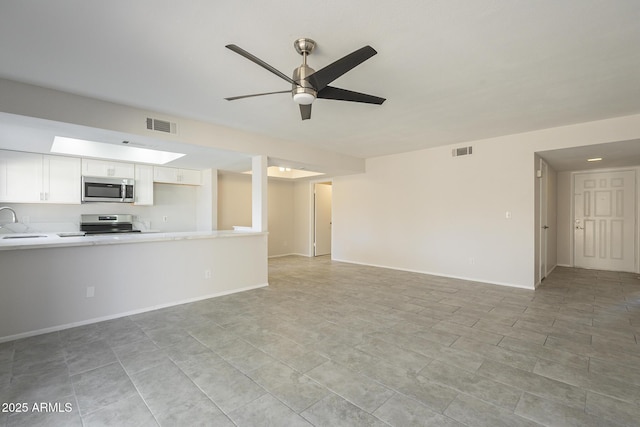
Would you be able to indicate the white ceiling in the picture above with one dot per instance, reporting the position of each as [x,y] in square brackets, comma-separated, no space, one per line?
[451,70]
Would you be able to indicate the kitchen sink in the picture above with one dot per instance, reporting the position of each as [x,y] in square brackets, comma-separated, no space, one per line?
[24,236]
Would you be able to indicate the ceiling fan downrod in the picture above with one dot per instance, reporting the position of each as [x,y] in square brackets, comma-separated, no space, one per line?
[303,92]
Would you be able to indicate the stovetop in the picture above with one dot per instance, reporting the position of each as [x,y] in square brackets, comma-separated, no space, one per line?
[107,224]
[110,231]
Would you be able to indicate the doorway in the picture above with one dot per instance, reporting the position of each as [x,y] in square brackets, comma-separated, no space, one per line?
[544,219]
[604,225]
[322,218]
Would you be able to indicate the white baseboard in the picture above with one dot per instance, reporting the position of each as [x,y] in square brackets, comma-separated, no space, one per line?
[471,279]
[128,313]
[291,254]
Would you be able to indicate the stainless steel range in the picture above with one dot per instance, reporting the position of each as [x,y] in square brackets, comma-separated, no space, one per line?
[106,224]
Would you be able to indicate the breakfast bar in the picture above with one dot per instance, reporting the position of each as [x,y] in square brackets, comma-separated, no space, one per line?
[50,282]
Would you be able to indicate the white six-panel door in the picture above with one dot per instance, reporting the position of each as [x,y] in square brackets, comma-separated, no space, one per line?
[604,220]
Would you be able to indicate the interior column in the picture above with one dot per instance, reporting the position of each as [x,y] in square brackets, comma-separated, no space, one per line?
[259,193]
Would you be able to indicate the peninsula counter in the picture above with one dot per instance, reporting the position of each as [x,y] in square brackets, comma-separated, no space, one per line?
[52,283]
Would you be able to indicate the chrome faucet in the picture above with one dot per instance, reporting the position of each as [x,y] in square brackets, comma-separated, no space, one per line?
[15,219]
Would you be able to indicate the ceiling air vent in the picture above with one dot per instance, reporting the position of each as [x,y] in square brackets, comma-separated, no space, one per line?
[161,125]
[463,151]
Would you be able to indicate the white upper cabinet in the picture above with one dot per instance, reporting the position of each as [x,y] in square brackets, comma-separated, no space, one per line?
[105,168]
[144,185]
[42,178]
[20,177]
[190,177]
[37,178]
[61,179]
[177,176]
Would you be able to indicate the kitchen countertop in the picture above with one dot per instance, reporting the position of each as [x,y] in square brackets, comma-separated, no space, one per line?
[53,240]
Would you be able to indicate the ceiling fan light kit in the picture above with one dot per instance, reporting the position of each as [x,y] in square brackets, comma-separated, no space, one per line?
[308,84]
[304,98]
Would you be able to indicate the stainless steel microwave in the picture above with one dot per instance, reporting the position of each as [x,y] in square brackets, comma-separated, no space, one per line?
[98,189]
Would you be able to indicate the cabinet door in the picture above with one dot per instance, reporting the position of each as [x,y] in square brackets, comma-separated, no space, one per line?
[20,177]
[190,177]
[92,167]
[164,174]
[104,168]
[123,170]
[144,185]
[4,164]
[177,176]
[61,179]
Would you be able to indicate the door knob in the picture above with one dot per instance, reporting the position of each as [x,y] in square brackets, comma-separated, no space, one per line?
[544,227]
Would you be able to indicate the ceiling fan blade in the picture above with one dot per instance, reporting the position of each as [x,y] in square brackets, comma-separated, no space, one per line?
[233,98]
[260,62]
[336,93]
[305,111]
[321,78]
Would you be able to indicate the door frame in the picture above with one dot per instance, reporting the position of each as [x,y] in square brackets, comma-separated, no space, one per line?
[636,242]
[543,253]
[311,214]
[545,188]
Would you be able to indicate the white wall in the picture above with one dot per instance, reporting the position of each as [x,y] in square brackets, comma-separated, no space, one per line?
[430,212]
[176,202]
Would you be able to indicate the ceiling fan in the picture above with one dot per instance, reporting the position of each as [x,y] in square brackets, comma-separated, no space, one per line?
[308,84]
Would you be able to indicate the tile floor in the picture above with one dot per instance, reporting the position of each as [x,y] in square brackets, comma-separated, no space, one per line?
[334,344]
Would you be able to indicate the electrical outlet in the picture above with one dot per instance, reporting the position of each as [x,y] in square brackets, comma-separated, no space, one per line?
[165,218]
[91,291]
[472,261]
[207,274]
